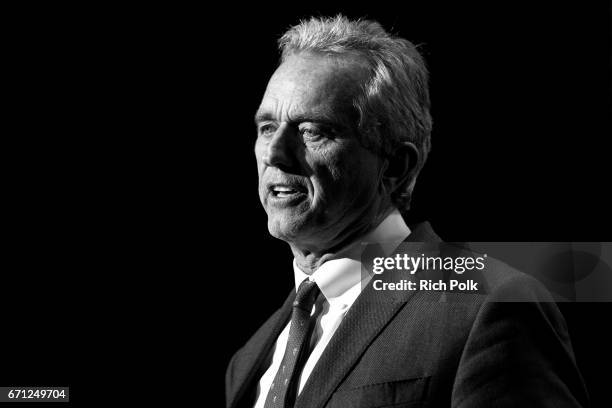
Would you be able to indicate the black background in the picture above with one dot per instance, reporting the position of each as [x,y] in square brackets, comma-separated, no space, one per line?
[136,251]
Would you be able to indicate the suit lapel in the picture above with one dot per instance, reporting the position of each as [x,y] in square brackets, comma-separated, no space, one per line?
[368,316]
[256,351]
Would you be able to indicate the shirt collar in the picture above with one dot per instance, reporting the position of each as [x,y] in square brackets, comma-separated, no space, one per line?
[340,278]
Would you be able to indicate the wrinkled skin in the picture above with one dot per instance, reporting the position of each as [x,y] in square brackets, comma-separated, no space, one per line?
[319,186]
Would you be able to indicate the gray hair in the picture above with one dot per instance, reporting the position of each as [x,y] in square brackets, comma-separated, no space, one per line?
[393,105]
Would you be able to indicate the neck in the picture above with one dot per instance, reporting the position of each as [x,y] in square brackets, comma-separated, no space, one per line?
[310,258]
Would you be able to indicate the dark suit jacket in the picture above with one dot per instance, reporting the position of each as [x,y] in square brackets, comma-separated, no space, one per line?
[432,349]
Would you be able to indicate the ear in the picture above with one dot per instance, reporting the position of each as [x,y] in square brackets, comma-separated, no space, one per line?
[402,165]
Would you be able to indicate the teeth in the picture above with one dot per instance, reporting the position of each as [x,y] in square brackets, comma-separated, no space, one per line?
[283,189]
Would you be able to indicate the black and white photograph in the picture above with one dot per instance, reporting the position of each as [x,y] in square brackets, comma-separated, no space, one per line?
[308,205]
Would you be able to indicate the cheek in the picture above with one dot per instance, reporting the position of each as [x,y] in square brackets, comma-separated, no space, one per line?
[328,171]
[259,150]
[343,173]
[358,177]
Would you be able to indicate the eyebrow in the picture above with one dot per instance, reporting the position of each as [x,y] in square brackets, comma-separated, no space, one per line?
[262,117]
[322,118]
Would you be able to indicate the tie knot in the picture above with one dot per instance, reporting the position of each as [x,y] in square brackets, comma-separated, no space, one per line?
[306,295]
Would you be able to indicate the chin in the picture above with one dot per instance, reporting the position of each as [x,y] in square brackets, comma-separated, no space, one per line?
[287,229]
[281,229]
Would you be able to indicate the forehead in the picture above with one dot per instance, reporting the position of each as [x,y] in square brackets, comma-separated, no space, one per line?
[313,84]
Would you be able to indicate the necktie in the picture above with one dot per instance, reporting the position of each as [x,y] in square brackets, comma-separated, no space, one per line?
[283,388]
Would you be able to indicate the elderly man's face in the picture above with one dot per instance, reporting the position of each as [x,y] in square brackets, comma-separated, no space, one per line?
[317,183]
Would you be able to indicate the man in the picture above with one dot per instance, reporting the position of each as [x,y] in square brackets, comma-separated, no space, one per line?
[343,131]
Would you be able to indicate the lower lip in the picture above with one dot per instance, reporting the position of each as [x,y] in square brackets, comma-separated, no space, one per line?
[286,199]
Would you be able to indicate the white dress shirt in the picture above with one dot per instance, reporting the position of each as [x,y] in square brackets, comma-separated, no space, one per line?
[340,280]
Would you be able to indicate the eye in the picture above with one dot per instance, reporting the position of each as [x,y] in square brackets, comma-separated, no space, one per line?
[308,133]
[313,133]
[266,129]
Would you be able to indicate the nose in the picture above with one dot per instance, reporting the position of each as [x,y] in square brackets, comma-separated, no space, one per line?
[279,150]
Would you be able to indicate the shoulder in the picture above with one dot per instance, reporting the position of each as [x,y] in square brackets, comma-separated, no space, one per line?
[507,284]
[519,327]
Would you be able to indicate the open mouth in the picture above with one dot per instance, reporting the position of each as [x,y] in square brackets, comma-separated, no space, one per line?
[285,191]
[282,191]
